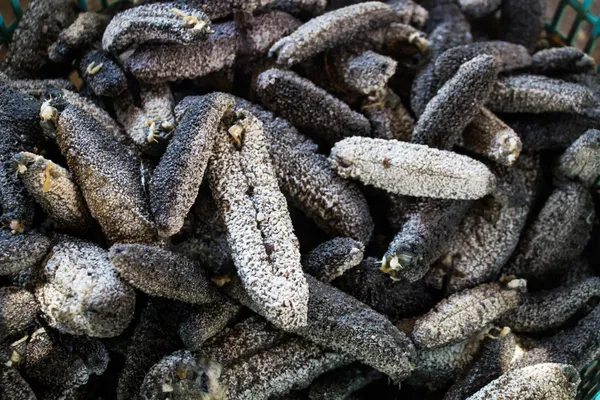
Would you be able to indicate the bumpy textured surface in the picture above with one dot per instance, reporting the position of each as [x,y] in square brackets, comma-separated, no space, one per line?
[542,381]
[162,273]
[507,56]
[80,35]
[562,60]
[489,136]
[557,235]
[367,283]
[411,169]
[426,229]
[366,72]
[40,26]
[13,386]
[545,310]
[154,64]
[577,346]
[177,177]
[181,376]
[340,383]
[523,21]
[206,321]
[454,106]
[581,161]
[463,314]
[331,30]
[342,323]
[103,75]
[19,123]
[53,187]
[21,251]
[153,338]
[294,363]
[494,358]
[539,94]
[82,294]
[389,118]
[308,107]
[488,236]
[331,259]
[18,308]
[155,23]
[259,229]
[108,176]
[151,123]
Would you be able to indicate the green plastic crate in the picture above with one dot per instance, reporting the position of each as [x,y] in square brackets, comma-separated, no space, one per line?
[583,14]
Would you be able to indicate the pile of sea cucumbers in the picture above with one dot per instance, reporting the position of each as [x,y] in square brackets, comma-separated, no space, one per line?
[297,199]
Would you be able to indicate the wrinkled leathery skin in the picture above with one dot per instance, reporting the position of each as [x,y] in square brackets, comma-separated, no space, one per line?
[562,60]
[367,283]
[184,377]
[162,273]
[154,64]
[538,382]
[335,204]
[177,177]
[82,293]
[342,323]
[581,161]
[78,36]
[259,229]
[109,177]
[103,75]
[478,307]
[12,385]
[577,346]
[489,136]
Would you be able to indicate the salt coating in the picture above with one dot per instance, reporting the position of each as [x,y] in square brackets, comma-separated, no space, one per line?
[297,200]
[81,293]
[259,230]
[411,169]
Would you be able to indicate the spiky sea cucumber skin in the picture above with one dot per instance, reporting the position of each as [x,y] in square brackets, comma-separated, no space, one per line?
[78,36]
[411,169]
[331,259]
[158,22]
[456,104]
[109,80]
[109,178]
[330,30]
[318,113]
[82,293]
[53,187]
[21,251]
[542,381]
[162,273]
[18,309]
[41,24]
[177,177]
[478,307]
[581,161]
[259,229]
